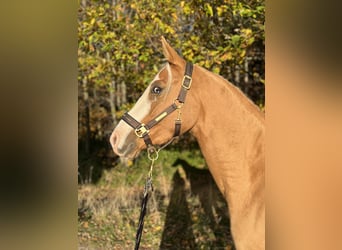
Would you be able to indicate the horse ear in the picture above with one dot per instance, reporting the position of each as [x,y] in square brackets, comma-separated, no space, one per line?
[170,54]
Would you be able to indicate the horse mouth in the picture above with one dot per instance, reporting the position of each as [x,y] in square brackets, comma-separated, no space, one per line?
[129,152]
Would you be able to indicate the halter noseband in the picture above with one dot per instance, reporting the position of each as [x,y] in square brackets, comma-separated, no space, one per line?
[143,130]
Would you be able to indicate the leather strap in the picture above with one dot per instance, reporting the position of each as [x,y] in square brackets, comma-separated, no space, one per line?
[178,124]
[186,83]
[161,116]
[137,125]
[147,140]
[143,130]
[130,120]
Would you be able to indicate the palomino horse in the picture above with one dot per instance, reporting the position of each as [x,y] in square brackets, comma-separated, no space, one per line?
[229,128]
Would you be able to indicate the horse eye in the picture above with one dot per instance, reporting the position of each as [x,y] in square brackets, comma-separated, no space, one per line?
[156,90]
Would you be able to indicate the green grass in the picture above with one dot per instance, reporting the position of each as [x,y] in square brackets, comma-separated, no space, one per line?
[185,211]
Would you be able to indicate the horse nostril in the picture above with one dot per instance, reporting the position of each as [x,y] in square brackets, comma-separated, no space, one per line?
[114,139]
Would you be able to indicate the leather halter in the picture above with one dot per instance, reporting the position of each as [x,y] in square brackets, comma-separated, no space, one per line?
[143,130]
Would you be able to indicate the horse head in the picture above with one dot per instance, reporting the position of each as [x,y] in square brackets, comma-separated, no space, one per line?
[162,105]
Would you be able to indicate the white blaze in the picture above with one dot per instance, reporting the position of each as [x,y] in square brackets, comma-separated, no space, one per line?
[140,110]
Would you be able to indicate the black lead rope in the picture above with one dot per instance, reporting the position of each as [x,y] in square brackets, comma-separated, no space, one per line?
[153,155]
[147,190]
[142,131]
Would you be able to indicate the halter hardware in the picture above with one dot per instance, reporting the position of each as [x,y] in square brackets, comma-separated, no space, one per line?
[152,154]
[178,104]
[142,130]
[161,116]
[185,85]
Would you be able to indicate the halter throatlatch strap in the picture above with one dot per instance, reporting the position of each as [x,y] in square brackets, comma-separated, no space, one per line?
[142,130]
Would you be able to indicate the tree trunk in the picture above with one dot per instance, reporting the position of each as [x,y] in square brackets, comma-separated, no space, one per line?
[87,115]
[237,75]
[123,92]
[246,70]
[112,103]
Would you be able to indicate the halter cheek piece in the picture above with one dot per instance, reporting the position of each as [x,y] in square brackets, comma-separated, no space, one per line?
[143,130]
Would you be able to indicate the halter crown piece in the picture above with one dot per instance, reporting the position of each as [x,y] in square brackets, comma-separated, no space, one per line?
[143,130]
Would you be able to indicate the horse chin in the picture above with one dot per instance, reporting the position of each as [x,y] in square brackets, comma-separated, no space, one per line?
[132,155]
[129,152]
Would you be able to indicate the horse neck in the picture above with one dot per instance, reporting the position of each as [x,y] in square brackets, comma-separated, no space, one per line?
[230,132]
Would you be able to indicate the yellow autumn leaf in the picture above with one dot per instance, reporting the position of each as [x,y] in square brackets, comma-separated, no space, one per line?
[210,9]
[243,53]
[247,31]
[129,163]
[226,56]
[174,16]
[219,11]
[216,70]
[195,218]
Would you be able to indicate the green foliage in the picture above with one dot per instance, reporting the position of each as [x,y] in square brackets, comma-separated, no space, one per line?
[119,52]
[119,49]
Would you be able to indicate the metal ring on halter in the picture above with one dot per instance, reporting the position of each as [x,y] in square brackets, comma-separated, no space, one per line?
[152,153]
[178,103]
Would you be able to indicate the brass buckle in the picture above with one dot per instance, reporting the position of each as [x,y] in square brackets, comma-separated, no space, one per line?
[141,131]
[190,81]
[178,104]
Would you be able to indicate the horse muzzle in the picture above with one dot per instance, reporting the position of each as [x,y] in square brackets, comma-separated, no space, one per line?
[124,147]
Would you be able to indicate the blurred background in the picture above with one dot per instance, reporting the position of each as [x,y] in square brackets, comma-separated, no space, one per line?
[41,112]
[119,52]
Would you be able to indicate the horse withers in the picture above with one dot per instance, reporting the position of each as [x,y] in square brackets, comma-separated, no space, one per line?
[229,128]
